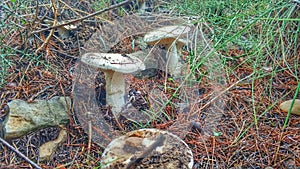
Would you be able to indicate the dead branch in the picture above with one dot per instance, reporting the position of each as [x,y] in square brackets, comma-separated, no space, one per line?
[20,154]
[83,18]
[52,31]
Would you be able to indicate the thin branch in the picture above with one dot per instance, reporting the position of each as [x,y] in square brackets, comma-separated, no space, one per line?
[20,154]
[54,9]
[38,93]
[85,17]
[70,7]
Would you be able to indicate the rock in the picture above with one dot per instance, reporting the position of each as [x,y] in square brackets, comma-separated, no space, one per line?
[26,117]
[285,106]
[147,148]
[47,149]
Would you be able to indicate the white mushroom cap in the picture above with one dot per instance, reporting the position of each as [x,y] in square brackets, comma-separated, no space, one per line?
[114,66]
[165,35]
[123,63]
[147,144]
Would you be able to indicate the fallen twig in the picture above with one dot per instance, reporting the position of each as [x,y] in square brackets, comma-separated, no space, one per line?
[38,93]
[83,18]
[136,162]
[20,154]
[52,31]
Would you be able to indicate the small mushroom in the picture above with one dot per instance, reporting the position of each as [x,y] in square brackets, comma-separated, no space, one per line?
[114,66]
[63,31]
[169,36]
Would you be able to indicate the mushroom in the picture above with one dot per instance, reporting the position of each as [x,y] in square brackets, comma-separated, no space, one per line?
[114,66]
[141,149]
[169,36]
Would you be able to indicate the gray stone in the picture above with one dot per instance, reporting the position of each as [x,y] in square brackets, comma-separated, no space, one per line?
[26,117]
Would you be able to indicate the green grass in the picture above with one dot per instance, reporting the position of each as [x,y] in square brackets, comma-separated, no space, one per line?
[5,64]
[246,24]
[15,51]
[266,31]
[11,25]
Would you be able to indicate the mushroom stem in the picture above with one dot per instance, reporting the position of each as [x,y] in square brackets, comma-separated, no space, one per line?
[174,64]
[115,90]
[142,7]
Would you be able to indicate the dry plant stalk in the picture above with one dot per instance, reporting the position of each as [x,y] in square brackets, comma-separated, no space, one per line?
[83,18]
[54,9]
[20,154]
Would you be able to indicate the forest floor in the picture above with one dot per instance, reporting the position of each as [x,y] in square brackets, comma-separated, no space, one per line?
[250,130]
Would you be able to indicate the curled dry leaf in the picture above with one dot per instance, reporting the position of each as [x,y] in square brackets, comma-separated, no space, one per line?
[285,106]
